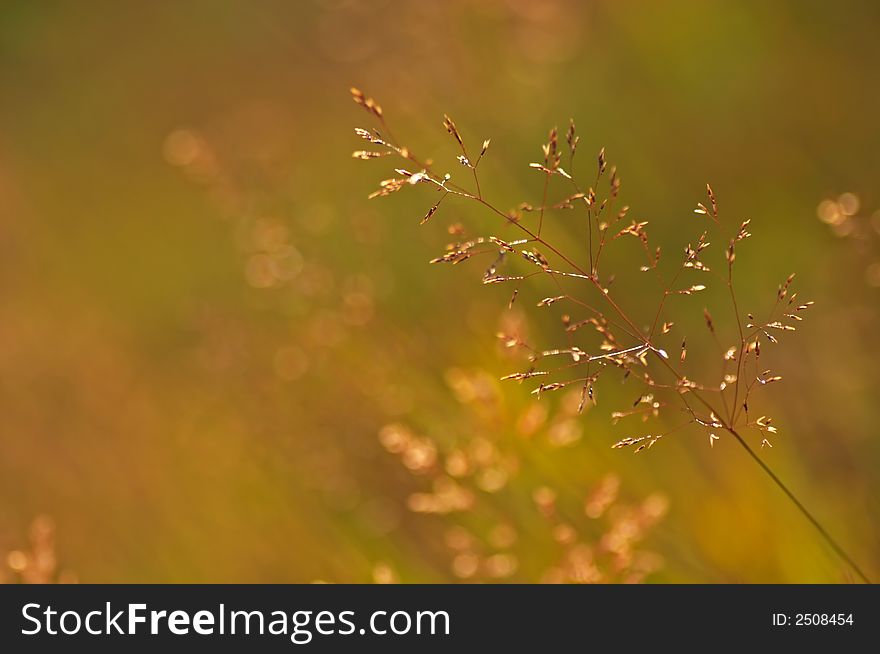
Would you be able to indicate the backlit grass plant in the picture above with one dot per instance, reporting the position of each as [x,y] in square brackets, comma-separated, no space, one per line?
[600,332]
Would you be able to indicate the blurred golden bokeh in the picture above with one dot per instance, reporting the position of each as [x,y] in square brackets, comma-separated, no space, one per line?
[221,363]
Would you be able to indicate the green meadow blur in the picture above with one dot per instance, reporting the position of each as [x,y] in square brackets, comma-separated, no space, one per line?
[205,325]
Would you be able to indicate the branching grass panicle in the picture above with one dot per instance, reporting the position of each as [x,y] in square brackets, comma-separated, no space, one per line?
[602,335]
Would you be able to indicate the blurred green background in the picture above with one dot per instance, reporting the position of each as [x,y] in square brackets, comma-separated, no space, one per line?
[205,325]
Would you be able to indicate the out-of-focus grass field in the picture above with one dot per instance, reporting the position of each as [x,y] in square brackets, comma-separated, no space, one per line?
[205,325]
